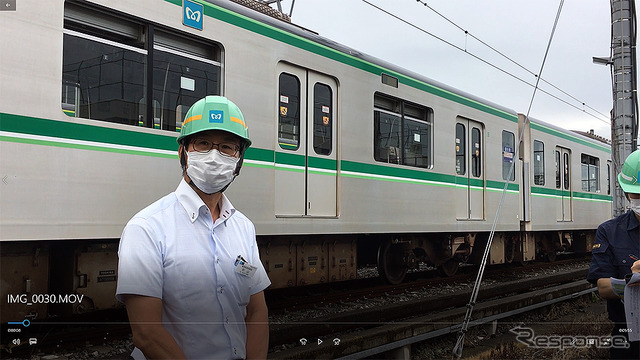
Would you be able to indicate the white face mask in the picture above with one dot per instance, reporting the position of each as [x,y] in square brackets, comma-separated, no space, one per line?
[212,171]
[635,205]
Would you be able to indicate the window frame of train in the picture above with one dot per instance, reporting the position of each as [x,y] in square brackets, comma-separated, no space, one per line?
[538,163]
[508,154]
[112,80]
[412,144]
[289,111]
[590,173]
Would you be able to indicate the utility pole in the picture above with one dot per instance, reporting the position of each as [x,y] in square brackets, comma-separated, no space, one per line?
[624,116]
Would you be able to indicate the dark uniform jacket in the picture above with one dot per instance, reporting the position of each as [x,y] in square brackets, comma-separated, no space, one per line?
[616,239]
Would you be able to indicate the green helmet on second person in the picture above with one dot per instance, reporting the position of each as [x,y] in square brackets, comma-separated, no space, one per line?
[629,177]
[215,113]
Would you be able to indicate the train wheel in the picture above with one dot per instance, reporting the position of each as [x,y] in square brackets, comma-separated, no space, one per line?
[391,266]
[449,268]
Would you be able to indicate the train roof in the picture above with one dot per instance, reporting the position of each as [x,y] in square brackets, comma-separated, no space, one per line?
[576,135]
[315,37]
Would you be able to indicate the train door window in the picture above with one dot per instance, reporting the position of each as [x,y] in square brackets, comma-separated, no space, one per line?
[508,152]
[387,120]
[183,72]
[289,118]
[566,171]
[538,162]
[461,141]
[590,167]
[322,121]
[558,181]
[476,158]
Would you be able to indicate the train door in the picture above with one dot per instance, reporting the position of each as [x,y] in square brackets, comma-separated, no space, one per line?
[563,184]
[470,169]
[306,156]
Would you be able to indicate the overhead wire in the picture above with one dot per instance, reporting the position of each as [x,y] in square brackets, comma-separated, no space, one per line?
[505,56]
[493,65]
[457,350]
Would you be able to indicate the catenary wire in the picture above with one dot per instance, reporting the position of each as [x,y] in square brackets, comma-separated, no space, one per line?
[505,56]
[486,62]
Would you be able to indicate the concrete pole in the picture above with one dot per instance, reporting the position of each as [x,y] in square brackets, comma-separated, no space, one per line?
[624,117]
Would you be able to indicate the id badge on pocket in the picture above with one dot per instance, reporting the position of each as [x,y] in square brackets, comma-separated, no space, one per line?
[244,268]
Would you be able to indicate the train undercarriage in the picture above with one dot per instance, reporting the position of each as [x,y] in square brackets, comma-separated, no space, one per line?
[61,278]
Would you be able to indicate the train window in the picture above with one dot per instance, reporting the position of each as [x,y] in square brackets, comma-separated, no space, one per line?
[557,169]
[416,136]
[461,144]
[590,173]
[566,171]
[102,79]
[538,162]
[508,152]
[322,121]
[402,132]
[476,158]
[179,80]
[105,77]
[289,118]
[387,119]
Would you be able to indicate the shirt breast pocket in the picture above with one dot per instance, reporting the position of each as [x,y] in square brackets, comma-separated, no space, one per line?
[244,284]
[622,261]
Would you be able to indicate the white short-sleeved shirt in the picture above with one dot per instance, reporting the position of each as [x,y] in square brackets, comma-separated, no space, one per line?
[171,250]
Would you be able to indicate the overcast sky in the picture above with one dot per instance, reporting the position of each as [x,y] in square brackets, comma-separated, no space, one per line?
[519,29]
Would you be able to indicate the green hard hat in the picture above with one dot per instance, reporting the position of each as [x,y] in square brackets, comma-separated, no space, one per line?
[630,174]
[215,113]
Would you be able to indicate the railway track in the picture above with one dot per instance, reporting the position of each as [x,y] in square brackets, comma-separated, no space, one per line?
[284,300]
[369,331]
[56,335]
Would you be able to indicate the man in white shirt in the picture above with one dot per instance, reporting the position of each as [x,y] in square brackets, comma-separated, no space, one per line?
[189,272]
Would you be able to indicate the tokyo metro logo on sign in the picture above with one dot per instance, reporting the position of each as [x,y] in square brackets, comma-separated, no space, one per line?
[216,116]
[192,13]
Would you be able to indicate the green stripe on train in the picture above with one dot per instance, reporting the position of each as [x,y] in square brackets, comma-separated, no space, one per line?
[540,191]
[100,135]
[68,130]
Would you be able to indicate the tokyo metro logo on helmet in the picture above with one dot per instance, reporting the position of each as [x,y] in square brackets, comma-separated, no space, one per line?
[215,113]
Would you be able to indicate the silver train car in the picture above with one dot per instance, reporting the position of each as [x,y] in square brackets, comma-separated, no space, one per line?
[354,160]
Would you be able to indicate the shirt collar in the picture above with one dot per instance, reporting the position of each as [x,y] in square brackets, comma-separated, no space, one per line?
[226,209]
[192,203]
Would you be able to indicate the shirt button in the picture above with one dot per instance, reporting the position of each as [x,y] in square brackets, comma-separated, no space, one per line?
[235,351]
[226,320]
[221,290]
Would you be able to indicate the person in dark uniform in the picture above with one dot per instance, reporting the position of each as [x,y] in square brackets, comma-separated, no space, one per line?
[615,255]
